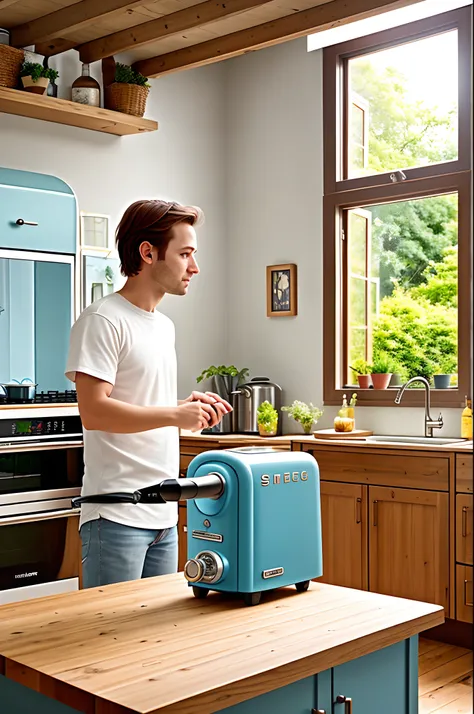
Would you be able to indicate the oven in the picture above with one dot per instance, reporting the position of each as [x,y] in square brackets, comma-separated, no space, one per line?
[40,472]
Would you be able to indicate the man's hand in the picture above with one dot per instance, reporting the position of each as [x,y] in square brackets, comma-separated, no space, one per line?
[215,406]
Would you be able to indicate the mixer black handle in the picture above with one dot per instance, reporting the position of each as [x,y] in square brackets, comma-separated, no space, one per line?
[210,486]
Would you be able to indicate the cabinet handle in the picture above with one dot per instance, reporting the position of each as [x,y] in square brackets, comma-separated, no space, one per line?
[347,701]
[358,510]
[467,604]
[21,222]
[376,513]
[318,711]
[464,522]
[185,529]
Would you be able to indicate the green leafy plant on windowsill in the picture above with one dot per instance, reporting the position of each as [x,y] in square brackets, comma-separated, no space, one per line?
[304,414]
[383,364]
[267,419]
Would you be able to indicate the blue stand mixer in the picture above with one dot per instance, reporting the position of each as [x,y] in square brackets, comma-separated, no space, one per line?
[254,520]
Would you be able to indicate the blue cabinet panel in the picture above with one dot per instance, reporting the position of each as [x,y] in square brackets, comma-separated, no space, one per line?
[54,213]
[296,698]
[17,699]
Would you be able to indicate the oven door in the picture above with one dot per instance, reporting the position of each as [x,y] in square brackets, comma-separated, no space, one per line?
[39,480]
[39,555]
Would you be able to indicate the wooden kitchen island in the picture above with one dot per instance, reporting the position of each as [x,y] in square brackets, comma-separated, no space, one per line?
[149,646]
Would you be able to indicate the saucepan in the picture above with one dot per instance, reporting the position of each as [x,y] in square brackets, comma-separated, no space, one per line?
[24,391]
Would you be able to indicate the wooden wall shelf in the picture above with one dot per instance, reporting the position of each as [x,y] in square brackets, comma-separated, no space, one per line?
[61,111]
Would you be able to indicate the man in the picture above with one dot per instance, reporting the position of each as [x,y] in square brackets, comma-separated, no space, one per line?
[122,359]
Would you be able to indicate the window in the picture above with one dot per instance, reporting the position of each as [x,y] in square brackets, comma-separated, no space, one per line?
[397,208]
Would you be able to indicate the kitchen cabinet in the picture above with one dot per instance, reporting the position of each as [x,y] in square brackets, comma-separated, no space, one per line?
[37,213]
[464,593]
[464,479]
[409,544]
[400,546]
[464,527]
[344,531]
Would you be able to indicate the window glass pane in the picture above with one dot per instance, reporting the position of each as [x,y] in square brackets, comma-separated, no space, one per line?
[411,92]
[357,243]
[357,337]
[357,125]
[413,286]
[357,301]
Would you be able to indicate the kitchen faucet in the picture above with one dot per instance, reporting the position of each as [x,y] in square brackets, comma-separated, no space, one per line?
[430,423]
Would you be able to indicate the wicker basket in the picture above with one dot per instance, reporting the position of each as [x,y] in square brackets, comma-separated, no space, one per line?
[11,60]
[126,98]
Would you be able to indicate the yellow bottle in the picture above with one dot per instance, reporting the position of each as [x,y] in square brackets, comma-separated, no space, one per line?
[466,420]
[343,421]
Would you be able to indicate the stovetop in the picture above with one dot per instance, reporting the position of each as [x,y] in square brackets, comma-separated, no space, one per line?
[69,396]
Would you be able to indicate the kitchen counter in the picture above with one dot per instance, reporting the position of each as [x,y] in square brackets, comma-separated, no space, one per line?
[149,646]
[229,440]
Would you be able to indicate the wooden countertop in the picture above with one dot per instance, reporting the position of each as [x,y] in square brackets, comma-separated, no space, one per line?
[241,439]
[149,646]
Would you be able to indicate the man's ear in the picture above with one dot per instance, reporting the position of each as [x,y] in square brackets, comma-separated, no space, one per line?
[146,252]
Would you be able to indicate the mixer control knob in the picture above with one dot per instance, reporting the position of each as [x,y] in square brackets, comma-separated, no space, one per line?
[206,567]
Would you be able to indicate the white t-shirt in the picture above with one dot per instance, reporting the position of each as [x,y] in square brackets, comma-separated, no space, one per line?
[134,350]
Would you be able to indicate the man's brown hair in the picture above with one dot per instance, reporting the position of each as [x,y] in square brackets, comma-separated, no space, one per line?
[150,221]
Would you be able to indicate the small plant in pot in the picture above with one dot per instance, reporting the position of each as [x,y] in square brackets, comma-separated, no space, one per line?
[363,370]
[267,419]
[128,92]
[225,379]
[304,414]
[35,78]
[382,370]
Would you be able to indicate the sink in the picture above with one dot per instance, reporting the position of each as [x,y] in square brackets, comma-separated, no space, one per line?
[415,440]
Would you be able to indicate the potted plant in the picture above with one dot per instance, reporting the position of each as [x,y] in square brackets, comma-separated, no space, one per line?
[362,369]
[305,414]
[267,419]
[35,78]
[128,92]
[225,379]
[382,370]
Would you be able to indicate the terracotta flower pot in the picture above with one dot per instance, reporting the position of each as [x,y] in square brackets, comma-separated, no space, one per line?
[364,381]
[38,87]
[381,381]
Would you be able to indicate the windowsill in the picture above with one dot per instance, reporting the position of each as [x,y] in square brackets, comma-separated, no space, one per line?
[386,397]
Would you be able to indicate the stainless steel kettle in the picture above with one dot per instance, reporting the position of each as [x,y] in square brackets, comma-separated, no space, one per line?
[247,399]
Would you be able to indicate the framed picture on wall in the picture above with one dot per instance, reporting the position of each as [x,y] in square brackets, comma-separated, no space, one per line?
[94,230]
[100,276]
[282,290]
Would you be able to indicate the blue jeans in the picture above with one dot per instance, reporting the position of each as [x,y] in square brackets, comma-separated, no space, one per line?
[114,553]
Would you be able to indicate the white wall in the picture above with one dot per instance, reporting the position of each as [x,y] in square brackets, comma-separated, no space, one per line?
[183,161]
[274,199]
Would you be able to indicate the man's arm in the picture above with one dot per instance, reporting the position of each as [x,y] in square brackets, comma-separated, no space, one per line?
[100,412]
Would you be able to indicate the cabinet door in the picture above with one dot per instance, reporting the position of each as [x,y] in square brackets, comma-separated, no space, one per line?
[383,681]
[52,215]
[182,536]
[464,521]
[296,698]
[464,593]
[344,534]
[408,544]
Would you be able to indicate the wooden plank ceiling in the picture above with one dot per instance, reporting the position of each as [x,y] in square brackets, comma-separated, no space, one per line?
[163,36]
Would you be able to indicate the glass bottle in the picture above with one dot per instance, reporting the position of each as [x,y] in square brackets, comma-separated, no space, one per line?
[466,420]
[85,89]
[52,90]
[343,421]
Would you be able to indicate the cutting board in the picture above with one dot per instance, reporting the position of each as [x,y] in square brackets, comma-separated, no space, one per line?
[332,434]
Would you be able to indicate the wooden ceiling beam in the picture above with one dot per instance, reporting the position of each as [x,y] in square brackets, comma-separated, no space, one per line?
[171,24]
[322,17]
[54,47]
[67,19]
